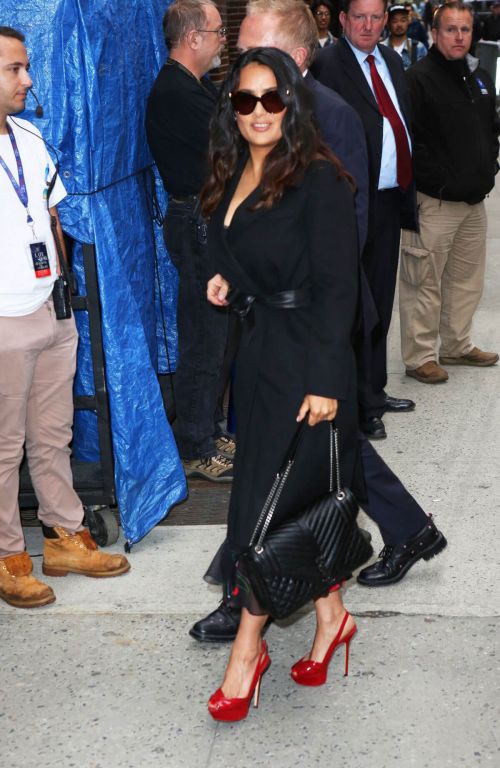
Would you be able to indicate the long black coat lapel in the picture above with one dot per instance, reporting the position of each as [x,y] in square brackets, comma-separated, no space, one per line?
[353,72]
[222,257]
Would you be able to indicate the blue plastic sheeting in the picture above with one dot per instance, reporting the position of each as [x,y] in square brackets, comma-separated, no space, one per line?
[93,65]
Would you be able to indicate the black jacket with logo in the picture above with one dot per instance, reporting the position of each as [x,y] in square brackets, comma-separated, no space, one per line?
[455,129]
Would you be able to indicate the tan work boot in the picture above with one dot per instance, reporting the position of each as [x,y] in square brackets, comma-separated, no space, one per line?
[18,587]
[65,552]
[476,356]
[428,373]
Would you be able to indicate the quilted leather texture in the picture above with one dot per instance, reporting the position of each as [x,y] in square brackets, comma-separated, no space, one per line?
[303,557]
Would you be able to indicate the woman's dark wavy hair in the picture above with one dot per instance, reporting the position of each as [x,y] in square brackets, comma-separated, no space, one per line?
[300,143]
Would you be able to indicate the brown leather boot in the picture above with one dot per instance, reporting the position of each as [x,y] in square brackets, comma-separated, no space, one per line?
[65,552]
[475,356]
[18,587]
[428,373]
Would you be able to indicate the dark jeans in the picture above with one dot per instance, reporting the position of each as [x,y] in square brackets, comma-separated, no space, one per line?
[202,332]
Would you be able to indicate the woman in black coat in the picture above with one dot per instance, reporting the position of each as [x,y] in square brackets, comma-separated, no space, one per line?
[282,219]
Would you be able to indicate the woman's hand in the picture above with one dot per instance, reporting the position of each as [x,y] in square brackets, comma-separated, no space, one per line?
[320,409]
[217,290]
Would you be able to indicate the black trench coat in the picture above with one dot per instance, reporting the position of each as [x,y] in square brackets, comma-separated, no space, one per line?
[307,239]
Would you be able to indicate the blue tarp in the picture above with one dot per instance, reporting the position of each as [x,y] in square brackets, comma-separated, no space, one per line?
[93,63]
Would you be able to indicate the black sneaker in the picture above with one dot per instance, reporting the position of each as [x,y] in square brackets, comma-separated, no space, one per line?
[218,468]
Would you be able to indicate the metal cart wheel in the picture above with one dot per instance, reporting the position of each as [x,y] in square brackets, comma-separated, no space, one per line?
[102,525]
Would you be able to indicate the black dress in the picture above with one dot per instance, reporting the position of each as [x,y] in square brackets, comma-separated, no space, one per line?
[306,240]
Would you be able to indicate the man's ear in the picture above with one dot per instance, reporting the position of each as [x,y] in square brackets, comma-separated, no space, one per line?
[193,39]
[299,55]
[342,18]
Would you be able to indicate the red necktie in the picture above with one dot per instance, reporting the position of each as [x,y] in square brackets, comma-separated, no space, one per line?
[388,110]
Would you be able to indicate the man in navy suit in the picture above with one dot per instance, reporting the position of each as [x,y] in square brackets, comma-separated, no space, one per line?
[408,533]
[370,77]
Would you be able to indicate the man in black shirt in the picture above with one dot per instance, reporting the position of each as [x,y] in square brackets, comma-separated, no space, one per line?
[177,122]
[456,129]
[491,27]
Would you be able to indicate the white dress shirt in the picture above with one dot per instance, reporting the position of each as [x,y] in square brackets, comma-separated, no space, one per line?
[388,164]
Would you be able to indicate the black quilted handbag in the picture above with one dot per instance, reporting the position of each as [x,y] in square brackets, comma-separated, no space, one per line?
[303,557]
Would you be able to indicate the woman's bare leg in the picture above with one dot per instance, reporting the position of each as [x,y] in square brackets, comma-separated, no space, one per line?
[330,611]
[245,652]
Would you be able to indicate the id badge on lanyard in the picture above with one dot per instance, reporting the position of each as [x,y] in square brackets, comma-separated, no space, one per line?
[37,249]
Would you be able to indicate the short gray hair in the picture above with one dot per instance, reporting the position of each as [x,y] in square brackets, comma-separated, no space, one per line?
[181,17]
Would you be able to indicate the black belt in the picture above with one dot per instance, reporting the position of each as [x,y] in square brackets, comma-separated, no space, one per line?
[241,303]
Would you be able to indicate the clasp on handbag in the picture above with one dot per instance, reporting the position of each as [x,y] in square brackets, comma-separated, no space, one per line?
[258,549]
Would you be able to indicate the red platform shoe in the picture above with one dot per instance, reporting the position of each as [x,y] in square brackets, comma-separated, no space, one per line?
[309,672]
[231,710]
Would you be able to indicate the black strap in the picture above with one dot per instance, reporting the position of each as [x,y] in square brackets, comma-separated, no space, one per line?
[271,502]
[413,51]
[55,233]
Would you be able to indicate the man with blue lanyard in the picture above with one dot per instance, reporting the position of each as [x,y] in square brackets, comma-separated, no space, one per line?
[456,129]
[37,356]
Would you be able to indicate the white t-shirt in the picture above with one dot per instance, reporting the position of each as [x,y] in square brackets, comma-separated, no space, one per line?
[21,292]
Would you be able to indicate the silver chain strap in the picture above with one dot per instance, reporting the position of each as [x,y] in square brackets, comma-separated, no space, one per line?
[281,484]
[265,508]
[271,502]
[334,436]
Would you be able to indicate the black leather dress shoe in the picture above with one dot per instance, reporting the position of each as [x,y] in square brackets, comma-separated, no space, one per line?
[374,428]
[398,404]
[397,559]
[220,626]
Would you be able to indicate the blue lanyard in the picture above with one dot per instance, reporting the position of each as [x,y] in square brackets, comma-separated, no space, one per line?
[19,188]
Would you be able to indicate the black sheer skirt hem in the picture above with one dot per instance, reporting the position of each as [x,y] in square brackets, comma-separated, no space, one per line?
[225,570]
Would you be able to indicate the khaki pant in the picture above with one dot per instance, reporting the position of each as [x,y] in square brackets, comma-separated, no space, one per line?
[441,279]
[37,366]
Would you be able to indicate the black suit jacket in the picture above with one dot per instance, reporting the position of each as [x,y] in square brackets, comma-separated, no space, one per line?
[336,67]
[342,129]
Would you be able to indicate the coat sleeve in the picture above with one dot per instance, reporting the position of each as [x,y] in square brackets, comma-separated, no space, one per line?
[333,263]
[346,137]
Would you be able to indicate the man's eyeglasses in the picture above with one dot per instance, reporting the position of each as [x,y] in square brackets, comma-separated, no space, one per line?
[322,13]
[222,31]
[244,103]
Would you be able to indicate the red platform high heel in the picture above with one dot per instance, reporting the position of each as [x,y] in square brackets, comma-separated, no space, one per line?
[309,672]
[231,710]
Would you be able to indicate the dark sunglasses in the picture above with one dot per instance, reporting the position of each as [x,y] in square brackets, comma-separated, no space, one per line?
[245,103]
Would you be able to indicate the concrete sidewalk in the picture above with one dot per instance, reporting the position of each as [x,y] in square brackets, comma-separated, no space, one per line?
[107,677]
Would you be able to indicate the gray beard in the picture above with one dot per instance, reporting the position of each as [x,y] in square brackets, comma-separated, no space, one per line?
[216,62]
